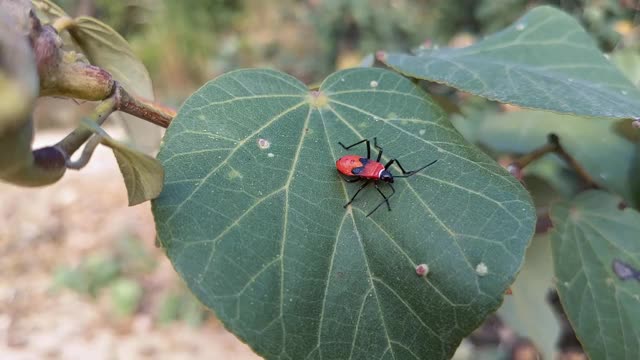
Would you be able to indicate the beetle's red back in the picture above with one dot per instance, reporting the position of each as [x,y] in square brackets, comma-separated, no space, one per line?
[354,165]
[347,163]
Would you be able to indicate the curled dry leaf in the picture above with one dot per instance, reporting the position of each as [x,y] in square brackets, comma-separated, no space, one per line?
[143,175]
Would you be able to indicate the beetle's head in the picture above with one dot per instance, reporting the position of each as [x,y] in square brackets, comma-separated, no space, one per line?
[386,176]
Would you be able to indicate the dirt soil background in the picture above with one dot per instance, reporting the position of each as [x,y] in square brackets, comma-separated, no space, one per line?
[42,229]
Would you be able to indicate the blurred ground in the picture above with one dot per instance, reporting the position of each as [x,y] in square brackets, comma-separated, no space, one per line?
[43,229]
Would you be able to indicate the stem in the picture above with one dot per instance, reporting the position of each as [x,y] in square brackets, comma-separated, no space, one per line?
[119,100]
[573,163]
[72,142]
[144,109]
[87,152]
[62,23]
[536,154]
[553,146]
[60,76]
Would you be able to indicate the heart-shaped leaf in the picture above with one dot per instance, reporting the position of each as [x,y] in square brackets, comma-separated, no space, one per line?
[252,217]
[596,256]
[545,61]
[609,150]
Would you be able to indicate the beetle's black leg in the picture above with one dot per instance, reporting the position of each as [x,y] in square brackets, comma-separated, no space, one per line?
[350,180]
[375,144]
[404,172]
[357,192]
[392,161]
[386,199]
[358,143]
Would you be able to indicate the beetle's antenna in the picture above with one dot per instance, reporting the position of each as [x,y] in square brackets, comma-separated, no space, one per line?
[410,173]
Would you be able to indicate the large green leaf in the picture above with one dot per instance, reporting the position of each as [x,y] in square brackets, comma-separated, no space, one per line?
[545,60]
[591,236]
[608,149]
[252,218]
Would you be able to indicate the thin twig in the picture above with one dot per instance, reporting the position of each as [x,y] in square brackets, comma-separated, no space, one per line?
[553,146]
[119,100]
[62,23]
[87,152]
[573,163]
[72,142]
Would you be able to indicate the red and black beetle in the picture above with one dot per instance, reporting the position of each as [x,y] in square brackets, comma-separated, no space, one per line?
[367,170]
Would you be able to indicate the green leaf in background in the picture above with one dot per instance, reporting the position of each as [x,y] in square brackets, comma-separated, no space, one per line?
[143,175]
[628,61]
[545,61]
[527,310]
[105,48]
[47,11]
[126,295]
[591,233]
[252,218]
[609,150]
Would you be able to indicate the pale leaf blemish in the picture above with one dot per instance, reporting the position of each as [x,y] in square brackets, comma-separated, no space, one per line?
[270,155]
[264,144]
[373,84]
[574,214]
[482,269]
[317,99]
[422,270]
[234,174]
[636,124]
[623,92]
[422,132]
[521,26]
